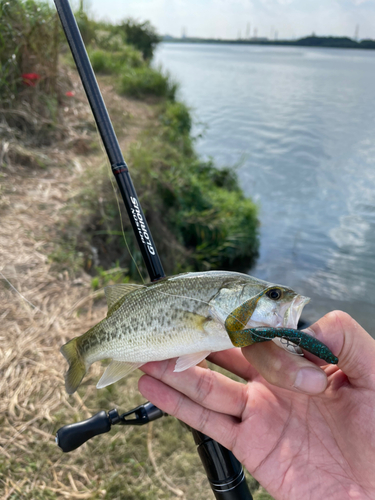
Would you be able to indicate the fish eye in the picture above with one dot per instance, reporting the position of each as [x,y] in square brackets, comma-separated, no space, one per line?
[274,294]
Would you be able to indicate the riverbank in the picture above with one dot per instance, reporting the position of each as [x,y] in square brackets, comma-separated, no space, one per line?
[309,41]
[197,213]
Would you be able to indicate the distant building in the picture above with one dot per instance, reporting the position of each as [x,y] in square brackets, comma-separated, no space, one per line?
[248,31]
[356,33]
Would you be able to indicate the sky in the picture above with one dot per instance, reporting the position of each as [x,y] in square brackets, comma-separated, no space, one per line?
[234,18]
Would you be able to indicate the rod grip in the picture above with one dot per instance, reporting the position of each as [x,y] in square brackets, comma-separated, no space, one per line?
[72,436]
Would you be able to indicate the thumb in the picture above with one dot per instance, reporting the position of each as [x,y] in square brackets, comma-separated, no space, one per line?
[354,347]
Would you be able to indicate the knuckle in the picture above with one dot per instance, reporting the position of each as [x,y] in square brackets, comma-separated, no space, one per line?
[244,400]
[204,386]
[340,317]
[232,437]
[282,377]
[177,408]
[204,420]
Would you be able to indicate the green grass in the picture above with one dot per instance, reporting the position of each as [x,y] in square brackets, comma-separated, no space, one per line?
[125,50]
[112,276]
[136,77]
[114,62]
[146,81]
[65,256]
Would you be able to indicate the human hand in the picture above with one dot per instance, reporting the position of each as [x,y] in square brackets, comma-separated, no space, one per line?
[309,442]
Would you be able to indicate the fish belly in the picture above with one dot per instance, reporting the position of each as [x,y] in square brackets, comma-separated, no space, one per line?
[160,341]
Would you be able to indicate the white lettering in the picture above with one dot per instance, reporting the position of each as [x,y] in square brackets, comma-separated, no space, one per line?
[139,222]
[151,249]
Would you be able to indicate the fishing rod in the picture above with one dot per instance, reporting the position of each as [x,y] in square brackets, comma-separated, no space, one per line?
[224,471]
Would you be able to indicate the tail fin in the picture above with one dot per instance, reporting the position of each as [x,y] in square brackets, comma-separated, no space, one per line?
[77,366]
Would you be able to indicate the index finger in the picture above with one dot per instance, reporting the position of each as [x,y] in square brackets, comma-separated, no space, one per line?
[234,361]
[206,387]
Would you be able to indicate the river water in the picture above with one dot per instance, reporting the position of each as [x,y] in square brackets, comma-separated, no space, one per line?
[300,125]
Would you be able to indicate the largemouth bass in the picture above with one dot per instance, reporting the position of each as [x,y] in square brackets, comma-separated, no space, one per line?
[187,316]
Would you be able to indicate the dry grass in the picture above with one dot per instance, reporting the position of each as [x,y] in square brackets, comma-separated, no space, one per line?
[33,402]
[158,462]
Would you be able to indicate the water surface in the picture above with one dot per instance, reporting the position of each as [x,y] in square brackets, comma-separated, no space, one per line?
[300,122]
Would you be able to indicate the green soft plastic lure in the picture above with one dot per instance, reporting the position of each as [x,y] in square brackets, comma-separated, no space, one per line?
[250,336]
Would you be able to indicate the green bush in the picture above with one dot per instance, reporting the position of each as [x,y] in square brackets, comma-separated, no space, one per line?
[176,118]
[29,44]
[107,62]
[113,38]
[142,35]
[219,225]
[203,206]
[146,81]
[86,26]
[107,38]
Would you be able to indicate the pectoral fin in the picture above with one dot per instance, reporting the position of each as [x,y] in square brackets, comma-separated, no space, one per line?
[115,371]
[239,317]
[189,360]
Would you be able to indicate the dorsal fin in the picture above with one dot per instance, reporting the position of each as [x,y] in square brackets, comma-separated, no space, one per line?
[114,293]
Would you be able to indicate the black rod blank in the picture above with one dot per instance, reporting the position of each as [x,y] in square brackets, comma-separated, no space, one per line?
[112,147]
[90,84]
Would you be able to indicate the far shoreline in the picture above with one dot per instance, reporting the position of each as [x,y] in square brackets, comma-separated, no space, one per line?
[311,41]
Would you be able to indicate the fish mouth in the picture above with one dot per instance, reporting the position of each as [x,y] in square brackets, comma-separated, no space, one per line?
[294,311]
[286,317]
[290,320]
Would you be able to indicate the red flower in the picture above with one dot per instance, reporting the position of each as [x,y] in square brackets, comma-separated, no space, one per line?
[30,79]
[70,93]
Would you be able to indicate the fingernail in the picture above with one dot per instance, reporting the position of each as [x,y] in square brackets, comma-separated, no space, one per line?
[311,381]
